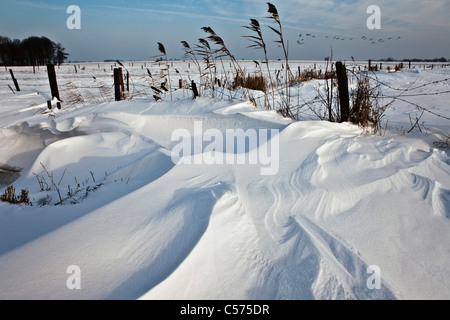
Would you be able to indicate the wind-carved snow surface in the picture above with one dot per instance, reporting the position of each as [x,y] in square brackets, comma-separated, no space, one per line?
[341,201]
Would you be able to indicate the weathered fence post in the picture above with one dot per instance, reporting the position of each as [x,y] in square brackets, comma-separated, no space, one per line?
[370,65]
[117,82]
[180,84]
[122,84]
[14,80]
[76,71]
[341,72]
[194,89]
[52,80]
[128,81]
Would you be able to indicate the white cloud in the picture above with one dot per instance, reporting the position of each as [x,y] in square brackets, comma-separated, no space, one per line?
[41,5]
[174,12]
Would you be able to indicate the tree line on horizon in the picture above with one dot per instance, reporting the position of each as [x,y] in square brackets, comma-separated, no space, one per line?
[32,51]
[390,59]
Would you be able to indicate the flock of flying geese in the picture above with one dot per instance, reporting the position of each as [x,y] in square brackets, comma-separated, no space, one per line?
[373,41]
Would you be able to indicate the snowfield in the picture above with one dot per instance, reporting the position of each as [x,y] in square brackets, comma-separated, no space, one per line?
[344,206]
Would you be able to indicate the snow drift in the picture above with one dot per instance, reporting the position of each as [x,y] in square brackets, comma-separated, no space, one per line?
[144,227]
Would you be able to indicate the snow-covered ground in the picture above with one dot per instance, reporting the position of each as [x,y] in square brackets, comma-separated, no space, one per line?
[343,209]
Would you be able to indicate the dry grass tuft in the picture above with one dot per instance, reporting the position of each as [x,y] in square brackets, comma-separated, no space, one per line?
[366,110]
[72,95]
[10,196]
[308,75]
[250,81]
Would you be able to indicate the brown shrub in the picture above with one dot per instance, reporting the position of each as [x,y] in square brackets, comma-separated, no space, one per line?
[10,196]
[250,81]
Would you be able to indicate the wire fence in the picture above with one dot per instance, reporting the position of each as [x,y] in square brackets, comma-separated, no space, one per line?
[151,83]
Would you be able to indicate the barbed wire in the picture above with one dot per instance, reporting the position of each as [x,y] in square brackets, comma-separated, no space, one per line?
[136,89]
[380,83]
[410,89]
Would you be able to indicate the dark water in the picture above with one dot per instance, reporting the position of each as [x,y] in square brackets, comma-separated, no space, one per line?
[8,175]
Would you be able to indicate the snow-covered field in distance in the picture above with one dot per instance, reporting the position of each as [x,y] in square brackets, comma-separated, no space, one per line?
[343,208]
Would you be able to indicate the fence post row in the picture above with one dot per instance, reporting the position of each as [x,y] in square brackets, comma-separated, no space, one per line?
[341,73]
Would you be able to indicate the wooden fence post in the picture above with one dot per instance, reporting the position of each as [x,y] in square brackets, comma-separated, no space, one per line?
[194,89]
[117,82]
[341,73]
[122,84]
[128,81]
[52,80]
[14,80]
[370,65]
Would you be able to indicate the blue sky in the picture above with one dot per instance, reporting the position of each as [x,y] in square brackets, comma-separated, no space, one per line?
[130,30]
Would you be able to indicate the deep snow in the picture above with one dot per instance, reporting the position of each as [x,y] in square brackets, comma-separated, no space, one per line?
[144,227]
